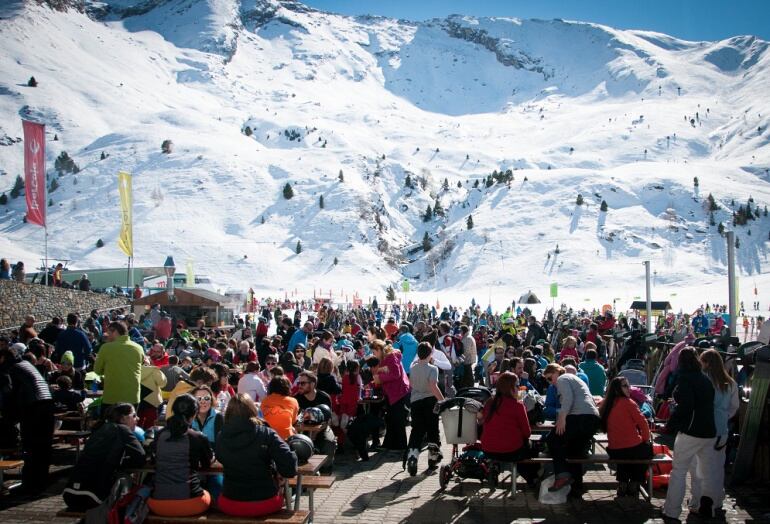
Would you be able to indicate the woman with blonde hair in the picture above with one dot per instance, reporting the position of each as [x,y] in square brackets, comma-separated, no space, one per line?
[390,375]
[569,349]
[248,451]
[712,467]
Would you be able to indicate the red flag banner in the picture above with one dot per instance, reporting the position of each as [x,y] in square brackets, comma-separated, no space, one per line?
[34,171]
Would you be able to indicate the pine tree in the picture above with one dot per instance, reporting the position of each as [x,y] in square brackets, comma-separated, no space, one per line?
[32,82]
[476,183]
[341,177]
[298,249]
[408,181]
[712,222]
[603,206]
[459,185]
[765,212]
[712,203]
[438,210]
[556,251]
[426,243]
[167,147]
[288,192]
[18,186]
[336,261]
[428,214]
[55,137]
[262,220]
[695,181]
[102,156]
[321,201]
[737,243]
[445,185]
[3,200]
[390,294]
[721,229]
[469,222]
[247,131]
[50,202]
[579,200]
[54,186]
[100,243]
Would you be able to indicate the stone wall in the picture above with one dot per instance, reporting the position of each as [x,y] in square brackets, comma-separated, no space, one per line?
[19,300]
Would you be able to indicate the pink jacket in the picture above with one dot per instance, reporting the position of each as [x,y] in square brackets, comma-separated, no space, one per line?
[394,382]
[669,366]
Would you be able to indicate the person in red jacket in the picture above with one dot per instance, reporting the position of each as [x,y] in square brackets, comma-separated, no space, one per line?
[158,355]
[505,427]
[163,327]
[628,434]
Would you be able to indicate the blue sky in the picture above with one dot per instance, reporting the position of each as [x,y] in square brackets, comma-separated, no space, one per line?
[687,19]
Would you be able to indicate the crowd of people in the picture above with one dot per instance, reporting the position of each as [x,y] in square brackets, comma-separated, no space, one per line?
[237,395]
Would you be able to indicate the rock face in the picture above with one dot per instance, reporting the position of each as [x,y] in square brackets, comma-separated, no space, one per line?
[19,300]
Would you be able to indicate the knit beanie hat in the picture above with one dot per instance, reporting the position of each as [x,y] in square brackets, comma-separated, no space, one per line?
[68,358]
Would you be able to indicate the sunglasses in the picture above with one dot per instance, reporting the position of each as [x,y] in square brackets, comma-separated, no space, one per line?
[205,398]
[270,364]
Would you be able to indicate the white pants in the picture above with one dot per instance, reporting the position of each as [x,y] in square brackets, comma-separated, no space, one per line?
[710,470]
[688,453]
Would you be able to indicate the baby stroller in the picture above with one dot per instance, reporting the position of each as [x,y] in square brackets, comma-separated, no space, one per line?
[458,417]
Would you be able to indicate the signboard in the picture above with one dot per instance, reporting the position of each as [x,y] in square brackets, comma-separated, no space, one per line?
[554,290]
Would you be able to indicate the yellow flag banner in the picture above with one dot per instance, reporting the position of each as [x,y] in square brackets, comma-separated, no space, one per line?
[126,239]
[190,274]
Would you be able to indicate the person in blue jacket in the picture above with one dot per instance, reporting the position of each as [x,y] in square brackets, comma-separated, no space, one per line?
[407,344]
[300,336]
[552,405]
[75,340]
[700,324]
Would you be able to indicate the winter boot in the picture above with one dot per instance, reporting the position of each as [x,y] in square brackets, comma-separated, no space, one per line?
[434,456]
[411,461]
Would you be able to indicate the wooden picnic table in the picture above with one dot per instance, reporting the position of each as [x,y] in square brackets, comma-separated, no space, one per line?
[313,465]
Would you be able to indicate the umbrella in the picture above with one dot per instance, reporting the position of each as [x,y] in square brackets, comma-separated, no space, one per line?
[529,298]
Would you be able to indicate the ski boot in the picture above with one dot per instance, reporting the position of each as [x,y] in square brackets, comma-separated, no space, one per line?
[411,461]
[434,456]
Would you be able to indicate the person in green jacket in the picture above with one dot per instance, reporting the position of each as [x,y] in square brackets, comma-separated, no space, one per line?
[597,377]
[119,361]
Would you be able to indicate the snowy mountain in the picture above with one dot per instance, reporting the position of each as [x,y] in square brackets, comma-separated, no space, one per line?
[257,94]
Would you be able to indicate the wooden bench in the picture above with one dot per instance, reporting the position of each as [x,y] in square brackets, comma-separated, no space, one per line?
[312,483]
[594,459]
[71,435]
[215,517]
[6,465]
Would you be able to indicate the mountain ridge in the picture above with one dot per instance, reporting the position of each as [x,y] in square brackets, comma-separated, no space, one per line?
[381,99]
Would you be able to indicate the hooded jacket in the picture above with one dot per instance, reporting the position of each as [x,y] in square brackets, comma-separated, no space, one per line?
[247,452]
[694,412]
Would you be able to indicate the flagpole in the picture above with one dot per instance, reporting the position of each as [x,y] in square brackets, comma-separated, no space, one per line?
[45,232]
[45,226]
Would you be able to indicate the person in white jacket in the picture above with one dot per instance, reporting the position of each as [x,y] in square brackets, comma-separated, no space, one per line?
[712,468]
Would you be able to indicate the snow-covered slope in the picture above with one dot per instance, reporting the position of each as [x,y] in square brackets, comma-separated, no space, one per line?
[256,94]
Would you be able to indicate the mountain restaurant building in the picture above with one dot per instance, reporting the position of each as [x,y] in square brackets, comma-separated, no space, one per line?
[192,306]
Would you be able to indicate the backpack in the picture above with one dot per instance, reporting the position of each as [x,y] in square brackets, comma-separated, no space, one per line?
[131,508]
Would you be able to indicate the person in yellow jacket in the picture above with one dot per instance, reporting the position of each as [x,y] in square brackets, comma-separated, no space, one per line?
[152,382]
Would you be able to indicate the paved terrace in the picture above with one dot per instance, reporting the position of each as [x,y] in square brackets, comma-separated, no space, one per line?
[378,491]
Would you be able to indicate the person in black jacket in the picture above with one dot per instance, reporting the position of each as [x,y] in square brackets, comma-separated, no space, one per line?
[693,421]
[26,399]
[248,449]
[113,445]
[179,453]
